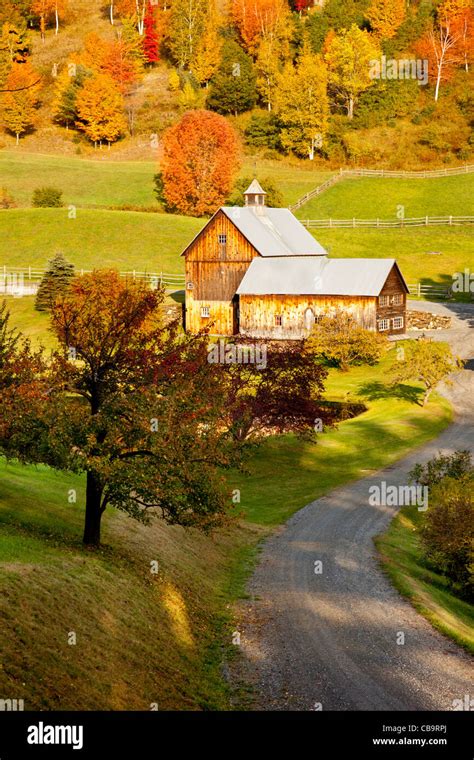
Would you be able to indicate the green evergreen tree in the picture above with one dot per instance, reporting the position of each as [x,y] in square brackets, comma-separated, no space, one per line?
[55,281]
[233,87]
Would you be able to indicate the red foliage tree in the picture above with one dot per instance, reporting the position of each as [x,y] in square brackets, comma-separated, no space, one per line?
[151,41]
[199,161]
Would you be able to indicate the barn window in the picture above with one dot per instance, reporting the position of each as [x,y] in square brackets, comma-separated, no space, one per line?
[397,299]
[205,311]
[397,323]
[222,239]
[384,324]
[384,300]
[278,320]
[189,286]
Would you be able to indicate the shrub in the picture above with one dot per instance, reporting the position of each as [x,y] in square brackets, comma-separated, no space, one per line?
[339,340]
[6,200]
[47,197]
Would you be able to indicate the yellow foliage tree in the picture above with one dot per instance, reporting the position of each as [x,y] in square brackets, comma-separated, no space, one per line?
[17,106]
[208,51]
[100,109]
[385,17]
[348,57]
[302,104]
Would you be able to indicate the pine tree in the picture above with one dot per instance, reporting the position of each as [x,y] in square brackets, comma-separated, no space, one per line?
[67,88]
[233,87]
[55,282]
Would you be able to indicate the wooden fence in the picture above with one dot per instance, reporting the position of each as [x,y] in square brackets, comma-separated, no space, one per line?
[420,221]
[25,280]
[382,174]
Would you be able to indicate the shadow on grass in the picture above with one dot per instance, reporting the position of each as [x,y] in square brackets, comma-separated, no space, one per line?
[377,391]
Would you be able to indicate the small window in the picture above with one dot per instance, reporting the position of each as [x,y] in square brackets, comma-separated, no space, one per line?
[205,311]
[384,300]
[384,324]
[222,239]
[189,286]
[397,323]
[397,299]
[278,320]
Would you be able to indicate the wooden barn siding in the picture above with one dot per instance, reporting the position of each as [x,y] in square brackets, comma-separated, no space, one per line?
[215,278]
[392,286]
[257,313]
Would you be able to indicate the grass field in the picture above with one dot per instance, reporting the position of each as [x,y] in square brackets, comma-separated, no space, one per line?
[426,588]
[153,242]
[369,198]
[102,182]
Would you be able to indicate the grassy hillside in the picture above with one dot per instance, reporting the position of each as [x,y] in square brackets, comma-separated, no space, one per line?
[104,182]
[368,198]
[153,242]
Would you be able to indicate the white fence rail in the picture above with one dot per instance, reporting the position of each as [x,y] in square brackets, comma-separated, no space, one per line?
[421,221]
[27,279]
[455,171]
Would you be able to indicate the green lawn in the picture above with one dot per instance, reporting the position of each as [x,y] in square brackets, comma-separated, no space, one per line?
[426,588]
[368,198]
[102,182]
[96,238]
[153,242]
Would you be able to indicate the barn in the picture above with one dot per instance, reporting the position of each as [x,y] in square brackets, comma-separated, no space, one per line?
[256,271]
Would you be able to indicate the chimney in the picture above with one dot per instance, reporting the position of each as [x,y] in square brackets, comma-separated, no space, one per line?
[255,197]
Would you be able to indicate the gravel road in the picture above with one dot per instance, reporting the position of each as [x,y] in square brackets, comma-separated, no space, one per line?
[330,639]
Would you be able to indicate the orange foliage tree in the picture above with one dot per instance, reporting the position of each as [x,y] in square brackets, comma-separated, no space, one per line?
[200,156]
[121,59]
[46,9]
[260,19]
[448,44]
[18,103]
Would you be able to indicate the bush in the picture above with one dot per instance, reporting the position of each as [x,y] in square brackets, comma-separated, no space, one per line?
[339,340]
[447,533]
[47,197]
[6,200]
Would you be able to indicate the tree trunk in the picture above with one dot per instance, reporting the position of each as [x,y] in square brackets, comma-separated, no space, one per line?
[112,13]
[17,138]
[57,19]
[350,110]
[438,82]
[93,511]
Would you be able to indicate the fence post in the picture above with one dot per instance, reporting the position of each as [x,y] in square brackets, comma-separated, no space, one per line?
[450,221]
[353,222]
[426,221]
[419,289]
[330,222]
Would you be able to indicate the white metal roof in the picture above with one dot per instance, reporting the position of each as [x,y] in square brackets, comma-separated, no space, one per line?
[315,276]
[274,231]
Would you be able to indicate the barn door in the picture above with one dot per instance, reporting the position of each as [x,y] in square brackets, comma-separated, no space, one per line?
[236,315]
[309,320]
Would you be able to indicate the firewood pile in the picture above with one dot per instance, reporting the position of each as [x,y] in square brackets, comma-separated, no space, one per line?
[424,320]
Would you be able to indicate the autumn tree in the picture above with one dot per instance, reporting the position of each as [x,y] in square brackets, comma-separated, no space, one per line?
[341,342]
[186,25]
[67,86]
[131,9]
[461,13]
[46,9]
[100,109]
[302,104]
[348,58]
[151,37]
[426,362]
[233,86]
[17,106]
[121,58]
[268,70]
[385,17]
[207,56]
[258,20]
[199,161]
